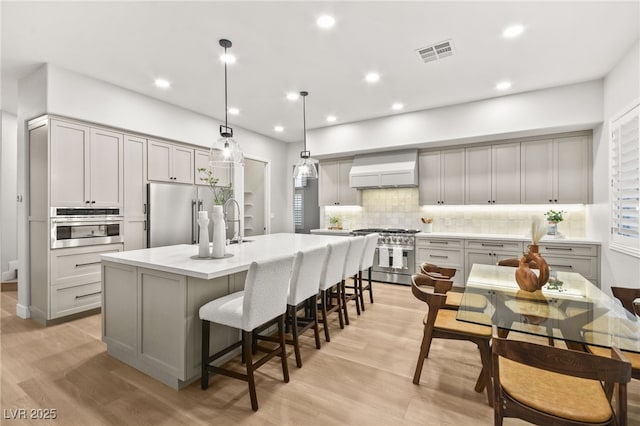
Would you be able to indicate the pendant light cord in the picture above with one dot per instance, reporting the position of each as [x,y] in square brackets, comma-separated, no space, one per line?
[304,121]
[226,124]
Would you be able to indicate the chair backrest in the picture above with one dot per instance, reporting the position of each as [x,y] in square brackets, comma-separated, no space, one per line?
[636,306]
[333,266]
[352,262]
[612,371]
[430,292]
[265,291]
[370,243]
[626,296]
[305,275]
[437,271]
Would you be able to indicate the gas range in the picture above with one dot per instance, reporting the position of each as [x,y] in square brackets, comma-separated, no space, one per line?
[394,258]
[391,237]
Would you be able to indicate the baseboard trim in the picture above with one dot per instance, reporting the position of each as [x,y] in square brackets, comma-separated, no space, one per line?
[23,311]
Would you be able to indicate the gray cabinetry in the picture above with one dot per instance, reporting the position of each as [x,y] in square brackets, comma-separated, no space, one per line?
[493,174]
[85,166]
[567,257]
[490,252]
[135,192]
[334,189]
[442,252]
[441,178]
[556,171]
[169,162]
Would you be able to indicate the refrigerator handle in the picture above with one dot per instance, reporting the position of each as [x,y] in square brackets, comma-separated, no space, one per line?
[199,205]
[194,221]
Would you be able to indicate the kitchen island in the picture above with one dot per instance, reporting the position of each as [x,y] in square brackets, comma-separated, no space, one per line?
[151,299]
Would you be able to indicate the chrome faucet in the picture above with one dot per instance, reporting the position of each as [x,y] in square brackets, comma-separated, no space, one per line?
[237,232]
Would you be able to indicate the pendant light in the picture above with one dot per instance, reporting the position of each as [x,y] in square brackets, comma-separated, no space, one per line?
[225,152]
[305,168]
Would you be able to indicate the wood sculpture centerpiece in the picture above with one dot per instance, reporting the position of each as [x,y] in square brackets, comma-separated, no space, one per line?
[525,277]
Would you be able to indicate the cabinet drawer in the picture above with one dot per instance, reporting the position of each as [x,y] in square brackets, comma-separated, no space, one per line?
[440,257]
[70,300]
[438,243]
[585,266]
[568,250]
[78,265]
[495,245]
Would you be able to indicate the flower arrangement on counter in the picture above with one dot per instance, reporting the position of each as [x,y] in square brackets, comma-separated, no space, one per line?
[555,216]
[426,220]
[221,193]
[335,221]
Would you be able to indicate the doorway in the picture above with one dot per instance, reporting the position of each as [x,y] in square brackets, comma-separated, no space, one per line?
[254,197]
[306,211]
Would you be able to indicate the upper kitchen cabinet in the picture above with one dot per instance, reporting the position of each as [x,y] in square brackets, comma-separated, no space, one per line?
[556,171]
[441,177]
[86,166]
[202,161]
[334,189]
[493,174]
[168,162]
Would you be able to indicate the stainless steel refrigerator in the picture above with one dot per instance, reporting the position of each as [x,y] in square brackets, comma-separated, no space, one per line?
[172,214]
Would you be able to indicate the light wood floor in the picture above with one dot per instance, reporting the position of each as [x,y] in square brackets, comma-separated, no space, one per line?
[362,377]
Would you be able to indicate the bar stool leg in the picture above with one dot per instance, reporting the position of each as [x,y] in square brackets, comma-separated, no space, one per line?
[283,350]
[204,374]
[370,287]
[340,308]
[314,315]
[293,314]
[344,302]
[360,291]
[323,307]
[247,338]
[355,291]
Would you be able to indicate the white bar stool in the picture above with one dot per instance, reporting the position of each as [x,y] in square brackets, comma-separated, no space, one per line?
[263,299]
[331,278]
[351,269]
[303,292]
[366,263]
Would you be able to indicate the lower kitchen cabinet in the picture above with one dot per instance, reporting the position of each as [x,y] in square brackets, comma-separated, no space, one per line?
[581,258]
[135,233]
[72,284]
[442,252]
[490,252]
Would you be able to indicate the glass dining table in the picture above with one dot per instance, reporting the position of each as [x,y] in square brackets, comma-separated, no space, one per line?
[570,308]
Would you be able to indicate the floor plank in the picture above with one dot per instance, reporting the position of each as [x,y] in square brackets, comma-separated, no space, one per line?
[362,377]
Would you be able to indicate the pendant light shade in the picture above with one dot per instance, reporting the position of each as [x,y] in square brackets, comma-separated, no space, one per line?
[305,168]
[225,152]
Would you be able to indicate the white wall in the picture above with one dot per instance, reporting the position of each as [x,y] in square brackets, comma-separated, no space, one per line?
[621,88]
[8,191]
[566,108]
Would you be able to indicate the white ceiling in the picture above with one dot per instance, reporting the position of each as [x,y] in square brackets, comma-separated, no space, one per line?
[279,49]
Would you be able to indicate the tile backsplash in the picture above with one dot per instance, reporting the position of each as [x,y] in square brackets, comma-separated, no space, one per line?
[399,208]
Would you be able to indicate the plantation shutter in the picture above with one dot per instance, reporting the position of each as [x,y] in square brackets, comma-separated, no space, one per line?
[625,182]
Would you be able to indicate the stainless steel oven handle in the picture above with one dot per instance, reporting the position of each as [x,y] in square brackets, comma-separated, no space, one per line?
[87,221]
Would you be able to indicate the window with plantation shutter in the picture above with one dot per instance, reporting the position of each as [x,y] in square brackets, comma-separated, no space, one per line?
[298,210]
[625,182]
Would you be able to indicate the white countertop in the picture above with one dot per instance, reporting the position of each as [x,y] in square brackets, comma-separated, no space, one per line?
[506,237]
[178,259]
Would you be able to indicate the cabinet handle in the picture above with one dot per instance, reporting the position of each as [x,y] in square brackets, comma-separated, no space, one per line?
[555,201]
[438,242]
[87,202]
[87,295]
[144,208]
[437,256]
[559,248]
[144,226]
[551,201]
[491,245]
[87,264]
[93,202]
[562,266]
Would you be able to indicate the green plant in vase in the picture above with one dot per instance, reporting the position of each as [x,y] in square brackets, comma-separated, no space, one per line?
[554,217]
[221,193]
[335,222]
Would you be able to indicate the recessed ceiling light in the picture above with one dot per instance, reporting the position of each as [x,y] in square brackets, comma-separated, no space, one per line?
[228,58]
[372,77]
[513,31]
[162,83]
[233,111]
[331,118]
[278,129]
[397,106]
[292,96]
[503,85]
[326,21]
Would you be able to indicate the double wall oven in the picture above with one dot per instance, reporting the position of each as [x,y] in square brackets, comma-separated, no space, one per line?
[74,227]
[394,260]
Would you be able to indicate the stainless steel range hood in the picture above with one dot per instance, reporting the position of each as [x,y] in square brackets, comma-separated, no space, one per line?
[385,170]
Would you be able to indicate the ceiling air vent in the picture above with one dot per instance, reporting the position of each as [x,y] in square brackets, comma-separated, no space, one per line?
[436,51]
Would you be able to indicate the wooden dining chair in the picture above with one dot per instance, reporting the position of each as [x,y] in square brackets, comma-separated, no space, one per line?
[546,385]
[442,323]
[474,302]
[626,296]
